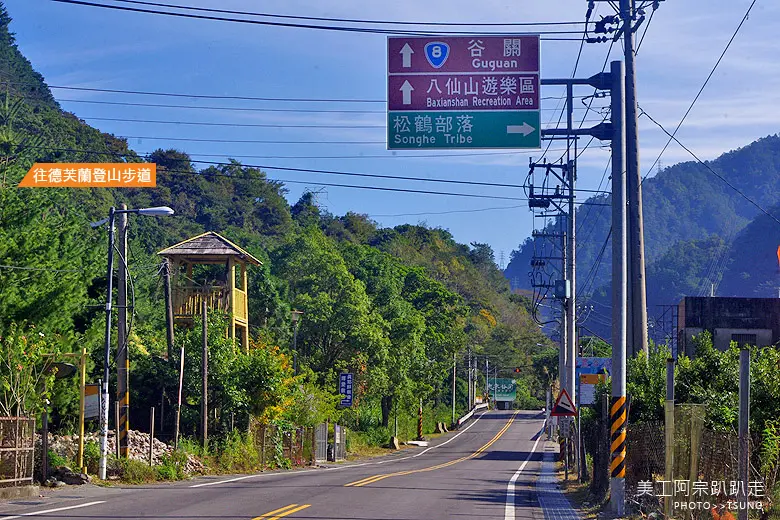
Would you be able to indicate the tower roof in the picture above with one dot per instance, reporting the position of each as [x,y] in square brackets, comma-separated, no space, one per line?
[208,246]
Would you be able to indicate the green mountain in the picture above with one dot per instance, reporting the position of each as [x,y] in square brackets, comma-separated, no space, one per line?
[699,232]
[393,305]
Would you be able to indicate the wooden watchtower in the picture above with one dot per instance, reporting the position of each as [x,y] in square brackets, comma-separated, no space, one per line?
[196,280]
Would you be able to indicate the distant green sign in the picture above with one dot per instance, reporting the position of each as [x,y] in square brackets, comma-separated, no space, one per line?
[503,389]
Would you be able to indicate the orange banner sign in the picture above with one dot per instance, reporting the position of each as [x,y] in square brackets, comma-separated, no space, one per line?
[91,175]
[592,379]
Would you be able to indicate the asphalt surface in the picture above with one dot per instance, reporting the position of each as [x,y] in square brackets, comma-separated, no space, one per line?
[468,474]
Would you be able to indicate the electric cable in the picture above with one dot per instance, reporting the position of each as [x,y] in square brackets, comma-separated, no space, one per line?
[698,94]
[283,24]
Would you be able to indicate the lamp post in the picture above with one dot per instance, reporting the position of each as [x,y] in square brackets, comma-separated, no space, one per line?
[295,315]
[151,212]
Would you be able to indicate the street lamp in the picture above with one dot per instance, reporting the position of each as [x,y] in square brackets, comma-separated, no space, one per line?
[150,212]
[295,315]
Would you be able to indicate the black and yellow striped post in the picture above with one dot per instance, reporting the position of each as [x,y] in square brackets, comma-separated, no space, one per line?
[617,428]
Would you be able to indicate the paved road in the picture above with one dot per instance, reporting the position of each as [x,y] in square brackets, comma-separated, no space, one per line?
[475,473]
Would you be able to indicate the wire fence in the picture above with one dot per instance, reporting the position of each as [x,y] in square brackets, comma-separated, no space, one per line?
[17,448]
[704,482]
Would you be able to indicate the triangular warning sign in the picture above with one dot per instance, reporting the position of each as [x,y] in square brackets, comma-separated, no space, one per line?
[563,406]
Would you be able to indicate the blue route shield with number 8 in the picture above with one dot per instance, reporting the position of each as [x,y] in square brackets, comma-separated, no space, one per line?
[437,53]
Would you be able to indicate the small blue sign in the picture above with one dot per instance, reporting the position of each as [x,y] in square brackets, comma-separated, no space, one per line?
[437,53]
[345,389]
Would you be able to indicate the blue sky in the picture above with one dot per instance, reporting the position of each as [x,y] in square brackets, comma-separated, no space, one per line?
[88,47]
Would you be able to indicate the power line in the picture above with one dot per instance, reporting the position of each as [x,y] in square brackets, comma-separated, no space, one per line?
[336,172]
[226,109]
[239,125]
[286,24]
[242,141]
[698,94]
[215,96]
[346,20]
[238,109]
[478,210]
[355,186]
[233,156]
[716,174]
[372,175]
[23,268]
[647,26]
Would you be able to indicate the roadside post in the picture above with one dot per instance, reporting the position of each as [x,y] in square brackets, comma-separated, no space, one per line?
[744,431]
[669,433]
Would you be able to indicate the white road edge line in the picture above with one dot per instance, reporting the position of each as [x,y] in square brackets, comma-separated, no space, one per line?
[453,437]
[509,510]
[36,513]
[258,475]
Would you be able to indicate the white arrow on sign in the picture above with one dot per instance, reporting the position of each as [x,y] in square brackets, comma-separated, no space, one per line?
[407,88]
[524,129]
[406,52]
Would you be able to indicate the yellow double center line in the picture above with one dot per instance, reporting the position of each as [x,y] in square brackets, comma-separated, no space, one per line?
[377,478]
[276,514]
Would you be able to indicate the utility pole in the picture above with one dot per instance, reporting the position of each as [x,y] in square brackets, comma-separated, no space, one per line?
[617,483]
[636,242]
[204,402]
[122,361]
[168,306]
[471,387]
[454,367]
[487,381]
[571,263]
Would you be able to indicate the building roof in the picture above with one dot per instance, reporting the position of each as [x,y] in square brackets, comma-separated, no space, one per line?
[209,245]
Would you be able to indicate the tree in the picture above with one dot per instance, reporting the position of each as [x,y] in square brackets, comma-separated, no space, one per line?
[25,371]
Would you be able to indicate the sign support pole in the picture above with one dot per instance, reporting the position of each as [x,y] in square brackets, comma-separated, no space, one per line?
[82,385]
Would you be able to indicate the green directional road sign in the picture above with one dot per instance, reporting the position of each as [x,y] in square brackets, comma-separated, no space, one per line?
[463,92]
[419,130]
[502,389]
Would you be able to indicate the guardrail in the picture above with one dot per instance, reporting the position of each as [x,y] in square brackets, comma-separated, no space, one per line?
[468,415]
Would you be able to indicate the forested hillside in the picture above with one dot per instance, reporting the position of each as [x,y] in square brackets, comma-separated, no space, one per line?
[395,306]
[699,233]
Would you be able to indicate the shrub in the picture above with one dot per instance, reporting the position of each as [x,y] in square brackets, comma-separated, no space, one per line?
[92,456]
[136,472]
[172,467]
[55,460]
[238,453]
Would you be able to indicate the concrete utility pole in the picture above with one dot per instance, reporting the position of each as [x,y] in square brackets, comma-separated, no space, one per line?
[744,431]
[571,263]
[122,360]
[636,242]
[617,483]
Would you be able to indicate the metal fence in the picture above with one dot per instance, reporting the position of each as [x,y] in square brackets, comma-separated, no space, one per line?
[339,443]
[700,455]
[17,450]
[321,443]
[276,446]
